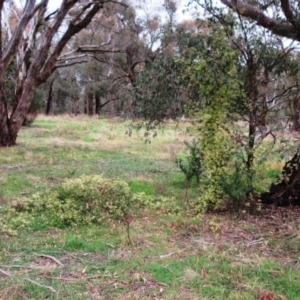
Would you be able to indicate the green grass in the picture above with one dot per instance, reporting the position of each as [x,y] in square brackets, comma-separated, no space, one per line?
[183,257]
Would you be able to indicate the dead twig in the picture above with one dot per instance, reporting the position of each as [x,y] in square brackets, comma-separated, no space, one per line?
[167,255]
[20,267]
[52,258]
[15,166]
[50,288]
[203,242]
[7,274]
[63,279]
[78,258]
[256,242]
[98,276]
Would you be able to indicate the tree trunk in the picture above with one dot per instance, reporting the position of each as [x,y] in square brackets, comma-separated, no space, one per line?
[251,93]
[261,120]
[296,114]
[90,100]
[98,104]
[112,105]
[85,110]
[5,136]
[49,98]
[35,55]
[19,114]
[75,105]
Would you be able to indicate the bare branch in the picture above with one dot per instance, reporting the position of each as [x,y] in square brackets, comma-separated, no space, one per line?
[81,48]
[50,288]
[71,31]
[59,66]
[96,49]
[52,258]
[279,27]
[287,10]
[11,48]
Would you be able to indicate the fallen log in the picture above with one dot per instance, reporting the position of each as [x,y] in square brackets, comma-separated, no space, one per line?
[286,192]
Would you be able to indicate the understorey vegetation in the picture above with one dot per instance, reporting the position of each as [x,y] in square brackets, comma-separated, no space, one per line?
[144,156]
[81,218]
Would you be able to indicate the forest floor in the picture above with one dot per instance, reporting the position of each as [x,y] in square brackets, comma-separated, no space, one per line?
[212,256]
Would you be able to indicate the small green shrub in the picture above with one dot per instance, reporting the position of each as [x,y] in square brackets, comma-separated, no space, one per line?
[11,220]
[161,204]
[81,201]
[237,185]
[191,166]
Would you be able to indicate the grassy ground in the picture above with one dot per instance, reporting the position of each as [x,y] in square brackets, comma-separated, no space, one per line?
[210,257]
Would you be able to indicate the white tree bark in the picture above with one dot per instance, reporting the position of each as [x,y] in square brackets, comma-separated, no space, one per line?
[34,46]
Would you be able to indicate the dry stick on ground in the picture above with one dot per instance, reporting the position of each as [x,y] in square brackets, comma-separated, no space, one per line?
[50,288]
[167,255]
[97,276]
[5,273]
[79,278]
[21,267]
[76,257]
[52,258]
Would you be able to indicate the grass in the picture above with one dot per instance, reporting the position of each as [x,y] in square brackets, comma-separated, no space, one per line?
[213,256]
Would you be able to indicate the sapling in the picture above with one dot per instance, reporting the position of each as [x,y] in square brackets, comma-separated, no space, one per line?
[191,166]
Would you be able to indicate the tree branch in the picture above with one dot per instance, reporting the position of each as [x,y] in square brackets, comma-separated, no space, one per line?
[279,27]
[11,48]
[71,31]
[81,48]
[287,10]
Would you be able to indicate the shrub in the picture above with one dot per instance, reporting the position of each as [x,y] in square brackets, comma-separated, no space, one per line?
[237,184]
[160,204]
[85,200]
[191,165]
[81,201]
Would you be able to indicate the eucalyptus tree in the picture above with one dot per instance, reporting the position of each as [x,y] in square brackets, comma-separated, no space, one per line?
[107,73]
[159,91]
[35,46]
[268,70]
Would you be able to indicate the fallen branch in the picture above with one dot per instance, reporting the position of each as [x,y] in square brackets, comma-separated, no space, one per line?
[15,166]
[167,255]
[21,267]
[7,274]
[256,242]
[97,276]
[203,242]
[50,288]
[52,258]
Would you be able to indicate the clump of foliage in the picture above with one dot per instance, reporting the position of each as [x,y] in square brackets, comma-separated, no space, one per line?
[192,165]
[218,84]
[159,204]
[237,184]
[157,94]
[82,201]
